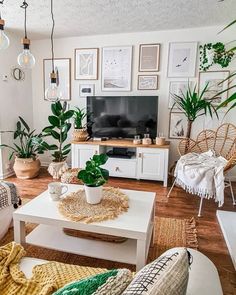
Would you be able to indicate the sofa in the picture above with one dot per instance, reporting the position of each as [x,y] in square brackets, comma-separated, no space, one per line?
[203,275]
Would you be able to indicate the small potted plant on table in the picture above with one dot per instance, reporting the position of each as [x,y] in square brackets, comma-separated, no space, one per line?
[80,130]
[93,177]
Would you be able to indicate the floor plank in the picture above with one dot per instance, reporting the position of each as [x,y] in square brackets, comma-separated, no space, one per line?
[179,205]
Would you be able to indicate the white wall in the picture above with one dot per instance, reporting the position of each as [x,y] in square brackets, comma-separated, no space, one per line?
[65,48]
[15,98]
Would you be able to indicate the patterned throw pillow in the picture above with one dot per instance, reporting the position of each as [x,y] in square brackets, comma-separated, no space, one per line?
[112,282]
[167,275]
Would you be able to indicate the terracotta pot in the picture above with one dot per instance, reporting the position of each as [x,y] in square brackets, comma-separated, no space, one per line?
[93,194]
[56,169]
[80,134]
[26,168]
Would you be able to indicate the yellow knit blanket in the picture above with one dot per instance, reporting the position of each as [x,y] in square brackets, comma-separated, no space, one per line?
[46,278]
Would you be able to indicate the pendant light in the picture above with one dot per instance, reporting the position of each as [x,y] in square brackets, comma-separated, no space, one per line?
[26,59]
[53,93]
[4,40]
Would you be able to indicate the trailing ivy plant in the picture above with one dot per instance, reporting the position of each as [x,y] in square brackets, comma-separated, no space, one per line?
[214,54]
[58,130]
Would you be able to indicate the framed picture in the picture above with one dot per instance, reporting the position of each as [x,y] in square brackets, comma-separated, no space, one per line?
[86,63]
[177,125]
[147,82]
[214,79]
[116,68]
[86,90]
[182,59]
[63,72]
[178,88]
[149,57]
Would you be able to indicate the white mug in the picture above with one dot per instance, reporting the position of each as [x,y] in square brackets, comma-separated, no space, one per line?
[55,190]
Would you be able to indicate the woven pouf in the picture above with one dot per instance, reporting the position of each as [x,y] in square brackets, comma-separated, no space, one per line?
[70,176]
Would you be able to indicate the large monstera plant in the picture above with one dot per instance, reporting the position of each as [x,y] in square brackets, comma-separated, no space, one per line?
[58,130]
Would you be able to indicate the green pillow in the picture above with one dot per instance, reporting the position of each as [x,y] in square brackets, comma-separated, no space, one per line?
[113,282]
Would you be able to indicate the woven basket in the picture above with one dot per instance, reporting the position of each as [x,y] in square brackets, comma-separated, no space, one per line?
[80,134]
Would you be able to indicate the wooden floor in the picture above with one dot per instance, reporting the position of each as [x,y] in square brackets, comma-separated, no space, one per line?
[179,205]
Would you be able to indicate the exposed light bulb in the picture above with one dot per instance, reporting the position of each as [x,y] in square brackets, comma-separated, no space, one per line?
[4,40]
[26,59]
[53,93]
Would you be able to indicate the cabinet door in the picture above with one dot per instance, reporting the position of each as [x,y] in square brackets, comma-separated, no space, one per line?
[151,163]
[81,153]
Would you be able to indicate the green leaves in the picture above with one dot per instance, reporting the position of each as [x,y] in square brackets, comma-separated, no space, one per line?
[79,115]
[93,174]
[54,121]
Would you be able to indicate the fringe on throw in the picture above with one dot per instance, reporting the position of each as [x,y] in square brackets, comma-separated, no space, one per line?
[191,233]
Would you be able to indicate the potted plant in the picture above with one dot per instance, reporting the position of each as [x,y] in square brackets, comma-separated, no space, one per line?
[26,148]
[58,130]
[80,130]
[93,177]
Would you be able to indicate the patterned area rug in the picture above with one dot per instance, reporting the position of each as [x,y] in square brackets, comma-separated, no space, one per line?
[168,233]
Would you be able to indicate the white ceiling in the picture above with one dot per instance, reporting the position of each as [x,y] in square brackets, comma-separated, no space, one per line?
[91,17]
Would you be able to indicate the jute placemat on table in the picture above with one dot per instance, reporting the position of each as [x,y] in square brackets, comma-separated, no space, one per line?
[75,208]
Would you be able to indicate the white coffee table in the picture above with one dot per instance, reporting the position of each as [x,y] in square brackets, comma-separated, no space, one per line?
[136,225]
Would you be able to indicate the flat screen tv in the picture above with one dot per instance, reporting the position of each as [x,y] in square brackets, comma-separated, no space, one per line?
[122,116]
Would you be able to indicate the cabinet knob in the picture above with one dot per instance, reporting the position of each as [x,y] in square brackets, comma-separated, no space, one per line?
[96,152]
[140,155]
[117,169]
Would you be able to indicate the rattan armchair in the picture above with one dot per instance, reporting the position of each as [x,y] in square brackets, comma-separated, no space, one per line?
[222,141]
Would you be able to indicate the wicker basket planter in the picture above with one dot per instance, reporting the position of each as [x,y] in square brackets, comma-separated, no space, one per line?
[56,169]
[26,168]
[80,134]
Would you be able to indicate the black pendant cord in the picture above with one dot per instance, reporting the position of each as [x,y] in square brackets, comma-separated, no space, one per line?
[24,6]
[52,33]
[1,3]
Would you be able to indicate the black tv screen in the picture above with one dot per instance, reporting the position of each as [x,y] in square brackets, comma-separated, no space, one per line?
[122,116]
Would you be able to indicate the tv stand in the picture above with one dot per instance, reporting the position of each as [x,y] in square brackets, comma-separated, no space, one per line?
[148,162]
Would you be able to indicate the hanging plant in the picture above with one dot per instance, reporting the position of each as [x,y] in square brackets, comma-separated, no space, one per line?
[214,54]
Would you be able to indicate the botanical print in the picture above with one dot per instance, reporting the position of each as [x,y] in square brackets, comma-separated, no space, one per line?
[182,59]
[62,70]
[86,64]
[146,82]
[116,68]
[178,125]
[177,88]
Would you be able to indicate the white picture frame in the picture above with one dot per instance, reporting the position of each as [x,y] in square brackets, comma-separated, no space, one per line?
[182,59]
[86,63]
[116,68]
[63,71]
[86,90]
[149,55]
[147,82]
[214,79]
[177,125]
[178,88]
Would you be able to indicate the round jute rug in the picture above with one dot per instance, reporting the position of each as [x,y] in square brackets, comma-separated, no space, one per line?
[75,208]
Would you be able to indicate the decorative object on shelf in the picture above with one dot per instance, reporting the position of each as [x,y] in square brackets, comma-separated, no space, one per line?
[93,177]
[18,74]
[177,88]
[28,146]
[53,92]
[80,129]
[76,208]
[55,190]
[58,130]
[26,59]
[214,54]
[86,90]
[62,67]
[182,59]
[86,63]
[4,40]
[146,140]
[149,57]
[217,85]
[160,140]
[147,82]
[178,125]
[137,139]
[116,68]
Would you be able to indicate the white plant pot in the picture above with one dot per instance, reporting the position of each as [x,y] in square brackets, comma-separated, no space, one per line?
[93,194]
[56,169]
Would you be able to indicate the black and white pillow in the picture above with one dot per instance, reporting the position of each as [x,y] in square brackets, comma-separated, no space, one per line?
[167,275]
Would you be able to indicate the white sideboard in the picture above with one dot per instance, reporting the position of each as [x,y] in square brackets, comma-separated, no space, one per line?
[149,162]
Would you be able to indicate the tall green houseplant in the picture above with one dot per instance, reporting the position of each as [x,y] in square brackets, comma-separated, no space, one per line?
[58,130]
